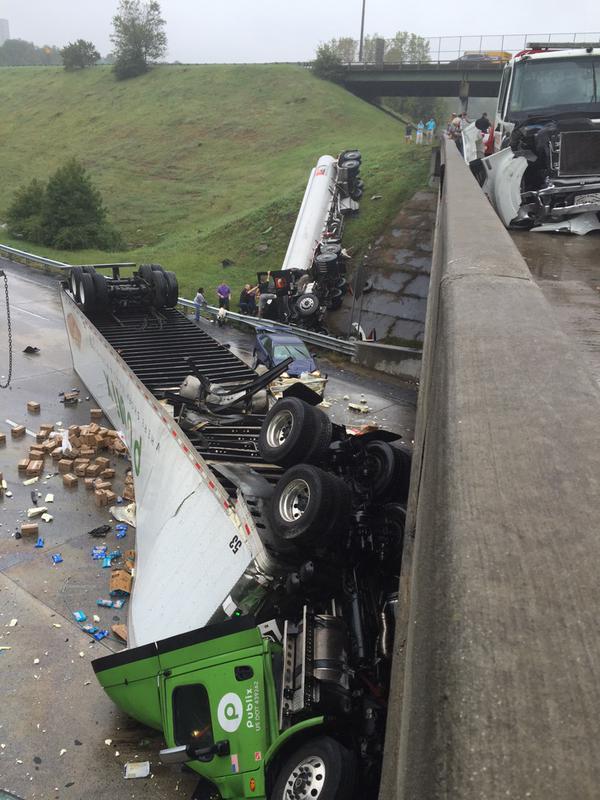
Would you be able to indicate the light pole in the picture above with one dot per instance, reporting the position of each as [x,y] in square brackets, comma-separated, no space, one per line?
[362,32]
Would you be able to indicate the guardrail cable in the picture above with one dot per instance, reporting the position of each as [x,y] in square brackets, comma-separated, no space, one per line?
[8,325]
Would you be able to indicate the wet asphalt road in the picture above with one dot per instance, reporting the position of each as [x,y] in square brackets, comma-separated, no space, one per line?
[56,704]
[567,269]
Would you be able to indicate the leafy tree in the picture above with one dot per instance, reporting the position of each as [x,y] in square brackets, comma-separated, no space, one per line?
[345,48]
[406,48]
[138,38]
[79,54]
[328,64]
[67,212]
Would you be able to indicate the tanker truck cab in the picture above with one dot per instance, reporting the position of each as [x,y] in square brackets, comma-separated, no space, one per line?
[241,705]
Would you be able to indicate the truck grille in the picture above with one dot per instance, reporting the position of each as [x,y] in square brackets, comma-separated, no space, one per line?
[579,153]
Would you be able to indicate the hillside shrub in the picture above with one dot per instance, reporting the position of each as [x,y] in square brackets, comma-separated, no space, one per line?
[67,212]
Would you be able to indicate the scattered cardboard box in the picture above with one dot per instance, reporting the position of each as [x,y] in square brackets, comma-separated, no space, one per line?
[33,407]
[70,480]
[29,529]
[18,432]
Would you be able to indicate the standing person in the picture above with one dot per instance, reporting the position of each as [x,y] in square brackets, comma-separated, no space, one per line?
[408,133]
[420,129]
[223,295]
[200,302]
[248,300]
[483,123]
[464,121]
[266,292]
[430,126]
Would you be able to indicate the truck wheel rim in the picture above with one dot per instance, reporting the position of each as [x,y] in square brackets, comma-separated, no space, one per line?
[279,428]
[294,500]
[73,285]
[82,293]
[307,780]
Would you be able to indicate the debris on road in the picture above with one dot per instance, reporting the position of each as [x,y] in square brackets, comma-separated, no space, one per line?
[49,498]
[137,769]
[13,623]
[101,530]
[17,432]
[29,529]
[40,542]
[57,558]
[80,616]
[33,407]
[31,350]
[120,631]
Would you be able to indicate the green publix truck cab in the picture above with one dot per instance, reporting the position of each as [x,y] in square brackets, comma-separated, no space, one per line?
[255,711]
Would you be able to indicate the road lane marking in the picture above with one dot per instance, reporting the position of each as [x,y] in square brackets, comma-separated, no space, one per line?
[39,316]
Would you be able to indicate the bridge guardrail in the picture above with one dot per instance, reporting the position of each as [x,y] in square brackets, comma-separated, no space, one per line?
[344,346]
[497,648]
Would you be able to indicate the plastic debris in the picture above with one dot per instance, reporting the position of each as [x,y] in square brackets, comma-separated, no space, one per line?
[106,562]
[47,517]
[137,769]
[99,552]
[108,742]
[36,512]
[100,635]
[91,629]
[57,558]
[36,661]
[124,514]
[95,617]
[8,493]
[4,647]
[104,603]
[62,752]
[101,530]
[29,481]
[56,625]
[31,350]
[49,498]
[119,602]
[80,616]
[13,623]
[40,542]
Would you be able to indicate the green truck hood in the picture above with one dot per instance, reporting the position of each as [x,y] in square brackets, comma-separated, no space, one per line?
[130,677]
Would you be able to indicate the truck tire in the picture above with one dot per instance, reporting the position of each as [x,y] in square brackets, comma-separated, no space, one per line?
[145,271]
[159,289]
[307,304]
[101,290]
[87,293]
[350,155]
[294,432]
[320,769]
[393,522]
[172,289]
[388,471]
[74,280]
[352,166]
[306,506]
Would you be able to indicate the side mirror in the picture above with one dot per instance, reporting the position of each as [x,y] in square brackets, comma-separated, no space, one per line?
[181,754]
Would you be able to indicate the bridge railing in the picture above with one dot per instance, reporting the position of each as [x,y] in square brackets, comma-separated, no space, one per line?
[444,49]
[496,671]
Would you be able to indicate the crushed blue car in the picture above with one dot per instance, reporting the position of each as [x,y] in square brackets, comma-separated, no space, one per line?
[271,348]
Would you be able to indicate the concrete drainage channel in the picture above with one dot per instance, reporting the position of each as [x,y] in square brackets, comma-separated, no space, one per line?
[402,362]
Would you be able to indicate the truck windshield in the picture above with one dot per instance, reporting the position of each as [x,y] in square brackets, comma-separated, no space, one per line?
[556,86]
[191,716]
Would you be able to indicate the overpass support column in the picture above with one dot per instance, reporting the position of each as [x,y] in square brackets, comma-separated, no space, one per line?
[463,94]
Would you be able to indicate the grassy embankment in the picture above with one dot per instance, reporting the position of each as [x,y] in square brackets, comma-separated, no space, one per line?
[200,163]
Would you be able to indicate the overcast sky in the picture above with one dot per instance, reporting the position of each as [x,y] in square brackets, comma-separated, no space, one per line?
[290,30]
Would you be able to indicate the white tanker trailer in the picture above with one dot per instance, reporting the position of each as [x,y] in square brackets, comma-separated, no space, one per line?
[312,276]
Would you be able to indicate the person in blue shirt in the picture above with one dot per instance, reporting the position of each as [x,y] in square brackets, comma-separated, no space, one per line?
[420,129]
[430,127]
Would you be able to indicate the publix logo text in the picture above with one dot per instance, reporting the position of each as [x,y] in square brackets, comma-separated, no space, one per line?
[125,417]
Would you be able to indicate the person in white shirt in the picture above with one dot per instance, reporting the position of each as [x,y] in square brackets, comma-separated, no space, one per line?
[200,301]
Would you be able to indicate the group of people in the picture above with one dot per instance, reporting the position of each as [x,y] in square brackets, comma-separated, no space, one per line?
[253,299]
[422,129]
[458,122]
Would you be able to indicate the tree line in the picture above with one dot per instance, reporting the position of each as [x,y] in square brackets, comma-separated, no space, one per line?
[138,38]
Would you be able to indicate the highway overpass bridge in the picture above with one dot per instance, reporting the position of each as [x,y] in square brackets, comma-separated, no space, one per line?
[423,80]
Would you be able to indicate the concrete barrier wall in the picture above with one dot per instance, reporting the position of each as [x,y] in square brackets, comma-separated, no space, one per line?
[496,689]
[403,362]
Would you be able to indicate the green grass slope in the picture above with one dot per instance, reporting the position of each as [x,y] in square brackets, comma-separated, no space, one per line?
[200,163]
